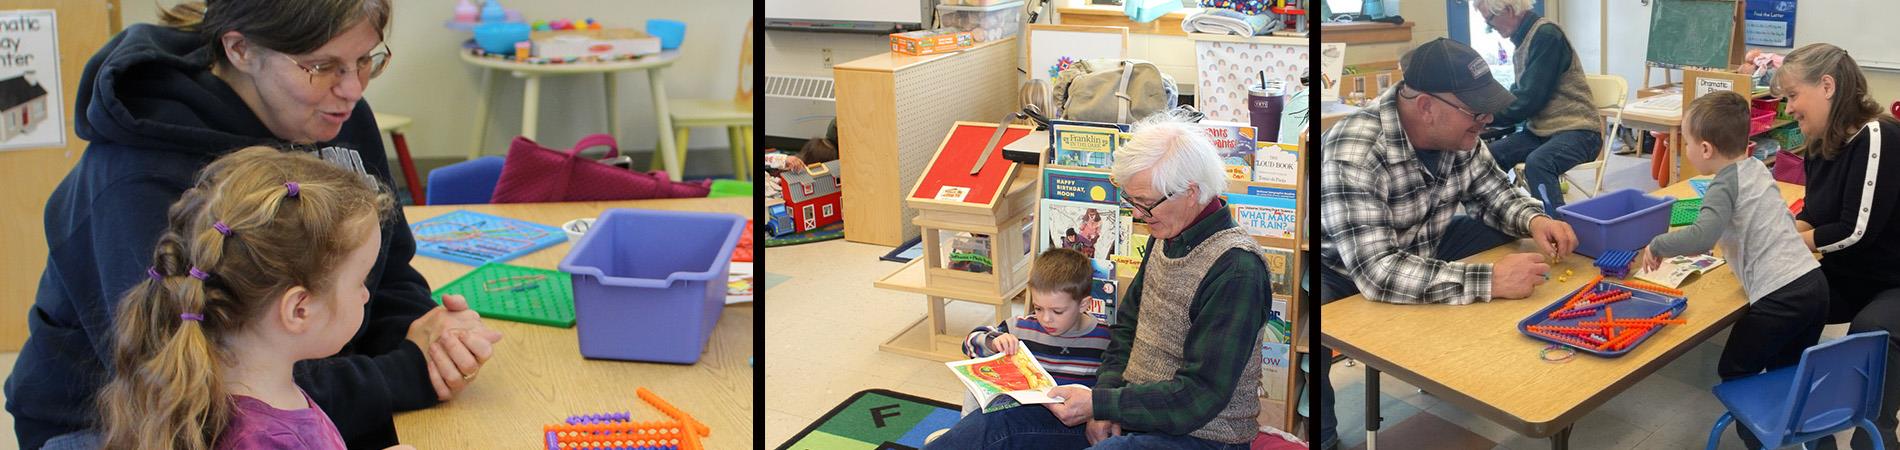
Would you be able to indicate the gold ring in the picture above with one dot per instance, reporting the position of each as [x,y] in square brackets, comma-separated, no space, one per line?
[468,377]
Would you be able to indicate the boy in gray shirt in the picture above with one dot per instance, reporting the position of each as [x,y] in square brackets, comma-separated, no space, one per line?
[1743,210]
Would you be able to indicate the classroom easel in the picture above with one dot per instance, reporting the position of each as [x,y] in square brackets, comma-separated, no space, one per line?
[1736,50]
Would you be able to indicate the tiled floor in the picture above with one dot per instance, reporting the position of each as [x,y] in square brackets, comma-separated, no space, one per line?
[823,329]
[1671,409]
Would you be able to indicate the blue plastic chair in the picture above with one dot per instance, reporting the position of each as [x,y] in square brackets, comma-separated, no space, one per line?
[1836,387]
[466,182]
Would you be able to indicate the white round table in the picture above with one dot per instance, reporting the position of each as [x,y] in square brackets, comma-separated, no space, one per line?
[654,66]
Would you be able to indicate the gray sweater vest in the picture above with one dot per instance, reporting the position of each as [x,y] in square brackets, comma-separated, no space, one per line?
[1167,292]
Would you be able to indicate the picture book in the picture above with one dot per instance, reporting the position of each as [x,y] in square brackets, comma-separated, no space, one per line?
[1235,144]
[1102,290]
[1278,328]
[1276,163]
[1019,376]
[1279,271]
[1085,144]
[1268,216]
[1273,356]
[1675,270]
[1096,230]
[1079,186]
[964,251]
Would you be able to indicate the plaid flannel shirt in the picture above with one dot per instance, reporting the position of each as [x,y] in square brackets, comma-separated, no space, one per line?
[1382,214]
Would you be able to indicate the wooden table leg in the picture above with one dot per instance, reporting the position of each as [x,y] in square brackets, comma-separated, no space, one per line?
[656,80]
[1676,162]
[530,105]
[1372,408]
[1561,440]
[613,105]
[480,130]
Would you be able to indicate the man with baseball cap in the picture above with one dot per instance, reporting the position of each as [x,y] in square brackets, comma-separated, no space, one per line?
[1392,181]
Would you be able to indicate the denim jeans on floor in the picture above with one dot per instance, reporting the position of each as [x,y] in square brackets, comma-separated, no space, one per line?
[1465,236]
[1147,441]
[1024,427]
[1546,159]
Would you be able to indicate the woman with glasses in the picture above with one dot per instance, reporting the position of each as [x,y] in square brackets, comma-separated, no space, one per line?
[157,104]
[1559,126]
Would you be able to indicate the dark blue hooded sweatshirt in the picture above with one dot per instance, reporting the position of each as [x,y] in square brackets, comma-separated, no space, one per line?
[154,115]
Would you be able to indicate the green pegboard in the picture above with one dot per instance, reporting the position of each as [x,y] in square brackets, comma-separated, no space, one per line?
[501,291]
[1685,212]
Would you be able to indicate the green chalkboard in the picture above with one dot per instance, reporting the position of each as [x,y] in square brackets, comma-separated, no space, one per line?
[1691,33]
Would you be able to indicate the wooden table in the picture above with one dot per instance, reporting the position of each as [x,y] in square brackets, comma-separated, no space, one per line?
[538,377]
[1474,357]
[654,65]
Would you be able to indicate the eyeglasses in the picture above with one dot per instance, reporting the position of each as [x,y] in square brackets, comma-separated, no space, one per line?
[1475,117]
[1146,210]
[327,74]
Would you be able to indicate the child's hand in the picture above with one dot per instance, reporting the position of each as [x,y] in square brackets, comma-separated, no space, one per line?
[1005,344]
[1648,261]
[794,164]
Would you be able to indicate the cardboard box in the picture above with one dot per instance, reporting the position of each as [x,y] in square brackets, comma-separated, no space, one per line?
[606,43]
[927,42]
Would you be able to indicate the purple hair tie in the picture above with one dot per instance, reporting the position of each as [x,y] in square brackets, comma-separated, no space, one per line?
[153,272]
[292,186]
[194,317]
[199,274]
[222,228]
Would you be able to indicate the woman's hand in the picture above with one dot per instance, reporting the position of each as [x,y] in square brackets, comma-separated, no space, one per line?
[454,345]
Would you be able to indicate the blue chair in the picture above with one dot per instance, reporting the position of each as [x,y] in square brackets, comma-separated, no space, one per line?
[466,182]
[1836,387]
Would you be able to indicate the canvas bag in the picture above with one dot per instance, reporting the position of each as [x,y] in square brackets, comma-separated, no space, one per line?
[1790,168]
[533,173]
[1112,90]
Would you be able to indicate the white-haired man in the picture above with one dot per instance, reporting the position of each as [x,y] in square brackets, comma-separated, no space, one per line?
[1392,181]
[1182,367]
[1560,125]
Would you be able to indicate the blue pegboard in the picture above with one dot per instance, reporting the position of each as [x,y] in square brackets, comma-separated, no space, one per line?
[1615,263]
[1701,186]
[475,239]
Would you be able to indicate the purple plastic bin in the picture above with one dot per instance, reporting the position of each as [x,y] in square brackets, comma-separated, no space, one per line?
[1621,220]
[649,285]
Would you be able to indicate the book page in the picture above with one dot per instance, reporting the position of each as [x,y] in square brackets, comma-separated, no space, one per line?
[1018,376]
[1675,270]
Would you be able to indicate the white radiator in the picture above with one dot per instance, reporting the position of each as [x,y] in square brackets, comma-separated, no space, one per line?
[798,107]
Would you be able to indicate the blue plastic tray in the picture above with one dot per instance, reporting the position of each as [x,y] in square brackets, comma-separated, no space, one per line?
[475,239]
[1640,304]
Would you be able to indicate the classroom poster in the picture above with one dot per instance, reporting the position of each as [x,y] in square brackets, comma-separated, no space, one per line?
[1276,163]
[1769,23]
[31,114]
[1079,186]
[1234,142]
[1096,230]
[1264,216]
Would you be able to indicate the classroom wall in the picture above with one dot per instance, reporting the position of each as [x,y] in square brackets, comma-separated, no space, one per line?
[427,81]
[802,53]
[1429,23]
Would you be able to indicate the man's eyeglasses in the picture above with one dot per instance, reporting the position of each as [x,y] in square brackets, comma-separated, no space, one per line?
[1475,117]
[1146,210]
[327,74]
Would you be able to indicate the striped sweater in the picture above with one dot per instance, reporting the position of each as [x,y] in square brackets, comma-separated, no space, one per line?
[1071,359]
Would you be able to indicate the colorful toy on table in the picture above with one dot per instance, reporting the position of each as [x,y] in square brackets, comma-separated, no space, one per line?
[565,24]
[475,239]
[618,430]
[1796,207]
[1685,211]
[520,294]
[1616,263]
[1587,319]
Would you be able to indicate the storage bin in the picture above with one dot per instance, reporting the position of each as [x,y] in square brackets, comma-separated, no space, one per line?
[649,285]
[1621,220]
[987,23]
[1759,120]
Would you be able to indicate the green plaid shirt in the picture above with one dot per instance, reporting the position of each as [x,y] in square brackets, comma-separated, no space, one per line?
[1217,345]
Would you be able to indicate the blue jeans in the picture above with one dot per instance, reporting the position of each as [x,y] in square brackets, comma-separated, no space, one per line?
[1026,427]
[1135,441]
[1546,159]
[1465,236]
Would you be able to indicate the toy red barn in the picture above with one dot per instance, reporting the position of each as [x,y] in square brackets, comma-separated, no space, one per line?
[812,197]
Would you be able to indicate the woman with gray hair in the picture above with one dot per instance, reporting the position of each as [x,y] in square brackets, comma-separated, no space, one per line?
[1559,124]
[157,104]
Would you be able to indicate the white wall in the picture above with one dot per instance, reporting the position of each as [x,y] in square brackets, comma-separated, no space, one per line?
[1429,22]
[427,81]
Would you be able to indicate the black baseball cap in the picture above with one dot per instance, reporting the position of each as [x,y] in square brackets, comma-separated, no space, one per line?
[1445,66]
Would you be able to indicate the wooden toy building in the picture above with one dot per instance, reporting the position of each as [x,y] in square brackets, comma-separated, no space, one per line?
[974,211]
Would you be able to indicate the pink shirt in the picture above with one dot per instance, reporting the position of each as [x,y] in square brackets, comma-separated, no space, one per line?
[257,425]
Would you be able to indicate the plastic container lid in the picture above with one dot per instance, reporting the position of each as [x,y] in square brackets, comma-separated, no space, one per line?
[986,8]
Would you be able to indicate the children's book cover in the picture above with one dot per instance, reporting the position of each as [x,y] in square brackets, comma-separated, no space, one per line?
[1276,163]
[1235,144]
[1020,377]
[1085,144]
[1273,358]
[1096,230]
[1102,290]
[1079,186]
[1280,272]
[1264,215]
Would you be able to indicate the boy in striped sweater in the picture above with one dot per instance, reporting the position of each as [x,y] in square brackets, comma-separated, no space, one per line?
[1066,339]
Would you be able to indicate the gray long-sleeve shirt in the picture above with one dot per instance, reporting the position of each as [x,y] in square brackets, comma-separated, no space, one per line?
[1743,210]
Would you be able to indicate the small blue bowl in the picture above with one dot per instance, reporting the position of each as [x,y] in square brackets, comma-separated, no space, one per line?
[670,32]
[500,38]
